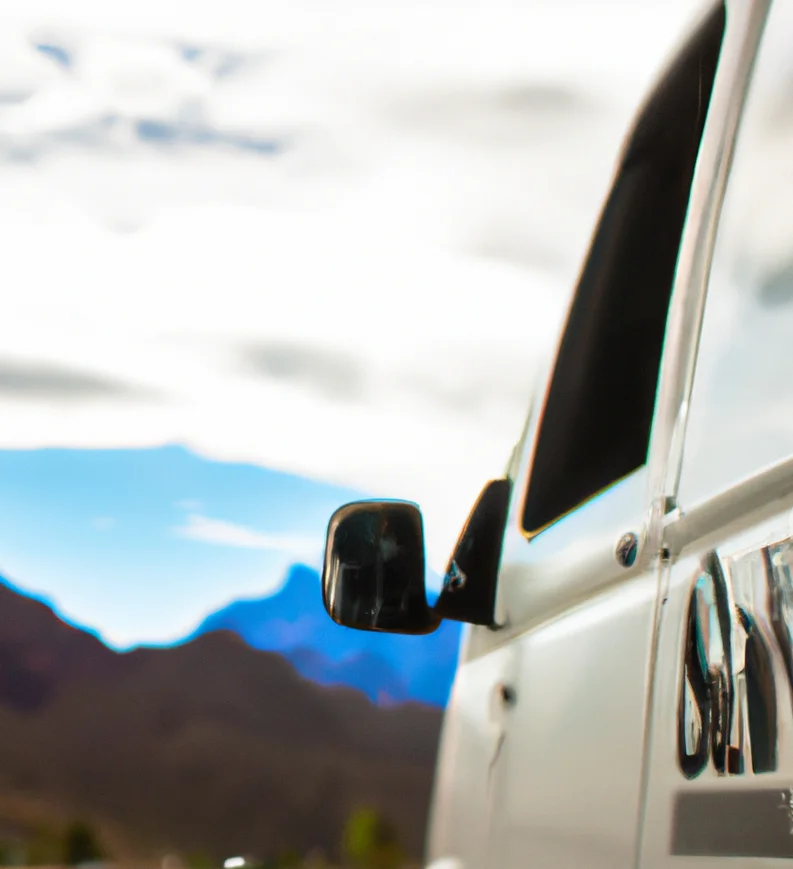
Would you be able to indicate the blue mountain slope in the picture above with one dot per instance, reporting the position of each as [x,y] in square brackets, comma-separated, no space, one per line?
[388,668]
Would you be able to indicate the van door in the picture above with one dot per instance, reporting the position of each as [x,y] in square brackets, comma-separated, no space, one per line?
[556,724]
[720,771]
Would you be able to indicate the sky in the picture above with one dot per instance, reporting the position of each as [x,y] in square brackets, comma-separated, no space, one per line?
[328,239]
[140,545]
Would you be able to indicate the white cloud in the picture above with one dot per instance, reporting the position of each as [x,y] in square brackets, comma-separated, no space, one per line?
[189,504]
[364,238]
[222,533]
[103,523]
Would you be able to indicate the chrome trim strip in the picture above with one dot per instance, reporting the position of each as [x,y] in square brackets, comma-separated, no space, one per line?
[745,22]
[744,504]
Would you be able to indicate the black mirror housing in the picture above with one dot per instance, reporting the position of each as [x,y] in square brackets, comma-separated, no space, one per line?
[374,573]
[469,584]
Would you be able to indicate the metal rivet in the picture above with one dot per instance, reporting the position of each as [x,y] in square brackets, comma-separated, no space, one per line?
[627,549]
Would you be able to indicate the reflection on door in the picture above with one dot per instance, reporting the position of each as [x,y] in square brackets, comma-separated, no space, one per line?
[727,715]
[779,559]
[737,674]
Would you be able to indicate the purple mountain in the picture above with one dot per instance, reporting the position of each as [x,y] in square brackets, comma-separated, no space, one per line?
[388,668]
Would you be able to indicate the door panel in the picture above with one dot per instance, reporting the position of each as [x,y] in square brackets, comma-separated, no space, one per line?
[724,697]
[472,741]
[568,777]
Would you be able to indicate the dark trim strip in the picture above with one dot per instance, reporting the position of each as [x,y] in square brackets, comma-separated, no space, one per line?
[732,823]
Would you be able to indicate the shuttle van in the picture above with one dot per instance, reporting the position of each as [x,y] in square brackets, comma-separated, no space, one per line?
[624,693]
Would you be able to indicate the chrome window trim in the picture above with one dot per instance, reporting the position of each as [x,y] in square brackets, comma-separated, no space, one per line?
[745,23]
[735,509]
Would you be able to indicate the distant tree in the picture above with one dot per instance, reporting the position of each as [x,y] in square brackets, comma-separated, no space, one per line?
[43,847]
[80,845]
[316,859]
[12,853]
[200,861]
[370,841]
[288,859]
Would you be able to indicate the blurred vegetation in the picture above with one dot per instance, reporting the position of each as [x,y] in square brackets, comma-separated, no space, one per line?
[199,861]
[80,845]
[370,842]
[12,853]
[49,845]
[44,846]
[288,859]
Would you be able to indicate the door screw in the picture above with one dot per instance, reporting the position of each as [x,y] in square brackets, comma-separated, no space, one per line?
[627,549]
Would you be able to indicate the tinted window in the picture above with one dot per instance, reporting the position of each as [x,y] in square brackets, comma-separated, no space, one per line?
[598,412]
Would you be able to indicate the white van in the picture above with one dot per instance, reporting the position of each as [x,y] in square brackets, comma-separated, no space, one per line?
[624,696]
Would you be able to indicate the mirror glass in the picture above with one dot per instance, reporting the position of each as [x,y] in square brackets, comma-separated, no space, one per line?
[374,575]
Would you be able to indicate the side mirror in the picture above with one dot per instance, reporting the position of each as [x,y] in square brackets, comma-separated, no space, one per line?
[373,577]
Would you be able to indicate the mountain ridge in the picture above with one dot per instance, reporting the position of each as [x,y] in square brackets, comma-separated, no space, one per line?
[206,747]
[388,668]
